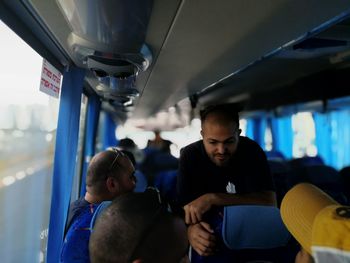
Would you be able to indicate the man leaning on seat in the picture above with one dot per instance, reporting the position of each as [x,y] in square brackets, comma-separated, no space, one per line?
[222,169]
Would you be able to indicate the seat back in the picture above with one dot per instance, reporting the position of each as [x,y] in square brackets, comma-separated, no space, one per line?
[306,161]
[256,234]
[345,180]
[100,208]
[157,161]
[258,227]
[275,155]
[280,173]
[165,181]
[141,182]
[325,177]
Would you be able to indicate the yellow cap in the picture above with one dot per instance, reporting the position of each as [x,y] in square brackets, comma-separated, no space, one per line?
[299,209]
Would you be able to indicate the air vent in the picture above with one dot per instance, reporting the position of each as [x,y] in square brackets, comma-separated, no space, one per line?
[108,38]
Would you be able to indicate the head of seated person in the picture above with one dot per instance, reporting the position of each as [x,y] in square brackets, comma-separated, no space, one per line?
[159,143]
[137,228]
[129,145]
[110,174]
[320,224]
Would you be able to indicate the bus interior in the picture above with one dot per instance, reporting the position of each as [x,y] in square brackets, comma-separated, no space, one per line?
[131,67]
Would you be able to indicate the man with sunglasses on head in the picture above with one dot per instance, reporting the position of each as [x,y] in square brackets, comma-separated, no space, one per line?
[222,169]
[110,174]
[138,228]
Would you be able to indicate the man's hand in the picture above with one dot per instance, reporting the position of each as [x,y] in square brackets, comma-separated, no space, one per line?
[194,211]
[202,238]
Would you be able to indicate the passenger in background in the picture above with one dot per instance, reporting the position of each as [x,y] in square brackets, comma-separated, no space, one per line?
[318,223]
[222,169]
[110,174]
[136,156]
[129,145]
[159,143]
[137,227]
[141,181]
[158,158]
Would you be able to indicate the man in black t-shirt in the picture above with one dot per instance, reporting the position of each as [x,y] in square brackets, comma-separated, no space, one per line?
[220,170]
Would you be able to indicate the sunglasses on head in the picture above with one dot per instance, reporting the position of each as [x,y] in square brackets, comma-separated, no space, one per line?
[115,160]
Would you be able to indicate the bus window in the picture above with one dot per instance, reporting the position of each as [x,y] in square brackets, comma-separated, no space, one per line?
[243,126]
[304,135]
[80,154]
[28,122]
[268,139]
[333,137]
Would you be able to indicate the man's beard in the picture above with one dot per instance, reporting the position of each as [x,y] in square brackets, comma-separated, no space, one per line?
[221,159]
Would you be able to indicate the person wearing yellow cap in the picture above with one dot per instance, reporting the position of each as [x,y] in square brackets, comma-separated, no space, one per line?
[320,224]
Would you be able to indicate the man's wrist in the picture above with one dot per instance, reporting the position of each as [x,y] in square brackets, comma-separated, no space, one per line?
[189,226]
[212,199]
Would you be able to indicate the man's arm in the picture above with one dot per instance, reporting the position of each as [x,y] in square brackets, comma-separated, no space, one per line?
[194,210]
[258,198]
[199,233]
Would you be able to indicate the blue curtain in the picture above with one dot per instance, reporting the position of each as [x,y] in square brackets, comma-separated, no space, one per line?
[93,113]
[282,135]
[333,137]
[65,158]
[249,128]
[256,128]
[109,126]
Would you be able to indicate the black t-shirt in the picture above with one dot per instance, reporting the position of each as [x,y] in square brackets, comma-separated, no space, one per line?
[248,170]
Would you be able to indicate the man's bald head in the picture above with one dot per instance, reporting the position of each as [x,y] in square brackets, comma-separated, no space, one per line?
[100,168]
[222,114]
[220,132]
[137,226]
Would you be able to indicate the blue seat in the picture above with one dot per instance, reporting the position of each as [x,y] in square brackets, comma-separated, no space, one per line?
[306,161]
[165,181]
[141,182]
[257,234]
[275,155]
[102,206]
[280,172]
[325,177]
[257,227]
[157,161]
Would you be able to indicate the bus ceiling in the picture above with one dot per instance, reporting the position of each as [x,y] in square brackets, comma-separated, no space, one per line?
[144,56]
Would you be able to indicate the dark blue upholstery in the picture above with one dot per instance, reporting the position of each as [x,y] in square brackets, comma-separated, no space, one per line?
[345,179]
[306,161]
[165,181]
[280,172]
[323,176]
[157,161]
[141,182]
[275,155]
